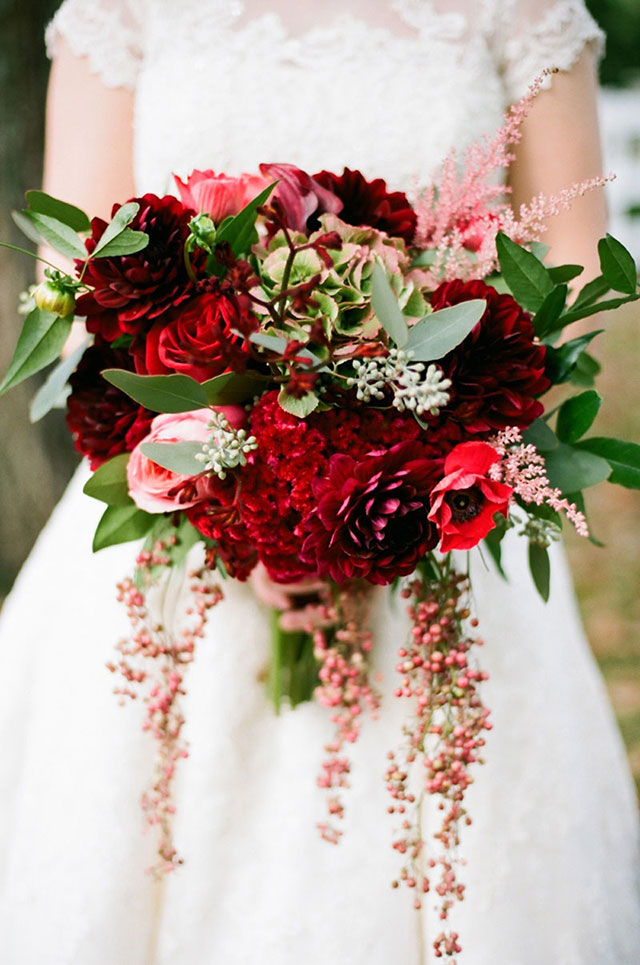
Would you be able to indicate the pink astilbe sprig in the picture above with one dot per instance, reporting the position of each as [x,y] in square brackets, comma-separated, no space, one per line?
[463,209]
[342,648]
[444,740]
[153,662]
[523,468]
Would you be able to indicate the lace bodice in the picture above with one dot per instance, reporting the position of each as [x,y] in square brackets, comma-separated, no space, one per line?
[387,86]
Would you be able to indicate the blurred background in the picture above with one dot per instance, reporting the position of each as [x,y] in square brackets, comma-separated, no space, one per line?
[36,461]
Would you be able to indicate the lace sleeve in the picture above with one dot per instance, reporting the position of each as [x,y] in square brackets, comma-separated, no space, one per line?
[107,32]
[530,35]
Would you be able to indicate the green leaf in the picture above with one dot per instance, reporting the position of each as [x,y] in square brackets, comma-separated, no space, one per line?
[68,214]
[230,388]
[40,342]
[540,569]
[385,305]
[436,334]
[583,312]
[585,370]
[57,235]
[576,415]
[160,393]
[543,511]
[591,292]
[121,524]
[123,217]
[50,392]
[550,311]
[617,265]
[578,500]
[570,469]
[27,228]
[179,457]
[125,243]
[564,273]
[493,542]
[275,343]
[527,277]
[240,230]
[109,482]
[298,407]
[560,362]
[623,458]
[540,435]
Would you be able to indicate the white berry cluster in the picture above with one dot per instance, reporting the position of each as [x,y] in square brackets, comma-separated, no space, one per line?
[413,388]
[226,447]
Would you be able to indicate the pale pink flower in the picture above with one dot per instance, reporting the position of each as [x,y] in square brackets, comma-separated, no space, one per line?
[218,195]
[158,490]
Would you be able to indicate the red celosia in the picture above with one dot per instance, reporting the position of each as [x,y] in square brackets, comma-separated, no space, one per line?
[497,372]
[464,503]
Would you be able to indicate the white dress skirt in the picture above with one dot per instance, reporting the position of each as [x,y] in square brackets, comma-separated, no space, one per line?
[552,854]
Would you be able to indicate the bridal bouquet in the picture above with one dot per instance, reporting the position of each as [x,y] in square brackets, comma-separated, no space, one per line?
[313,374]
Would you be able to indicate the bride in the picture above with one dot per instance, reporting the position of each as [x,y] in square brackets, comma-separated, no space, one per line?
[140,90]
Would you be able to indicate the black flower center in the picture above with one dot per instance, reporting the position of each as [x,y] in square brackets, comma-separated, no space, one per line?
[465,504]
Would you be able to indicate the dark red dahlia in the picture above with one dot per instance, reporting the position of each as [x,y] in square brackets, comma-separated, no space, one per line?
[196,338]
[103,420]
[497,372]
[371,520]
[132,290]
[370,203]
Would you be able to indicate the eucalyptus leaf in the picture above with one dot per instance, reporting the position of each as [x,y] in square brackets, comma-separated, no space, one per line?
[128,242]
[540,435]
[27,227]
[386,308]
[40,342]
[576,415]
[425,259]
[298,407]
[525,275]
[623,458]
[57,235]
[438,333]
[178,457]
[109,482]
[540,569]
[50,392]
[160,393]
[231,388]
[569,468]
[68,214]
[123,217]
[617,265]
[121,524]
[276,343]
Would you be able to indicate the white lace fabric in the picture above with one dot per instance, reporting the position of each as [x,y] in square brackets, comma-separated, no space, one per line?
[552,868]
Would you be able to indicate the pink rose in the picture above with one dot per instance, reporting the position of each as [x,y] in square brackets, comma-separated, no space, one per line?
[158,490]
[218,195]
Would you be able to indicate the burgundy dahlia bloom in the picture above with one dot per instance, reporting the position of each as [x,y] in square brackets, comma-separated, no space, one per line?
[196,338]
[130,291]
[497,372]
[370,203]
[103,420]
[371,519]
[464,503]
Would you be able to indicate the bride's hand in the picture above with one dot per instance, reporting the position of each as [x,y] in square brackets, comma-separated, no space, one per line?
[302,603]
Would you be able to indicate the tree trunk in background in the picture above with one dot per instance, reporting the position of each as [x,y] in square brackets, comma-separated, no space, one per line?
[35,461]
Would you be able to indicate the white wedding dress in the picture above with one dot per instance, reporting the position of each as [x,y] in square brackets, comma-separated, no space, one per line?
[387,86]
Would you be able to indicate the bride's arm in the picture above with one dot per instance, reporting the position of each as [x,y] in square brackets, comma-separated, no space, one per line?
[561,145]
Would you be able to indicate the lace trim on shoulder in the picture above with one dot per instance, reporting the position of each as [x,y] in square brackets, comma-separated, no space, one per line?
[107,32]
[555,40]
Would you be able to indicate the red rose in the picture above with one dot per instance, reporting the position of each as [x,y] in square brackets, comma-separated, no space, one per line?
[463,504]
[196,338]
[371,516]
[131,291]
[497,372]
